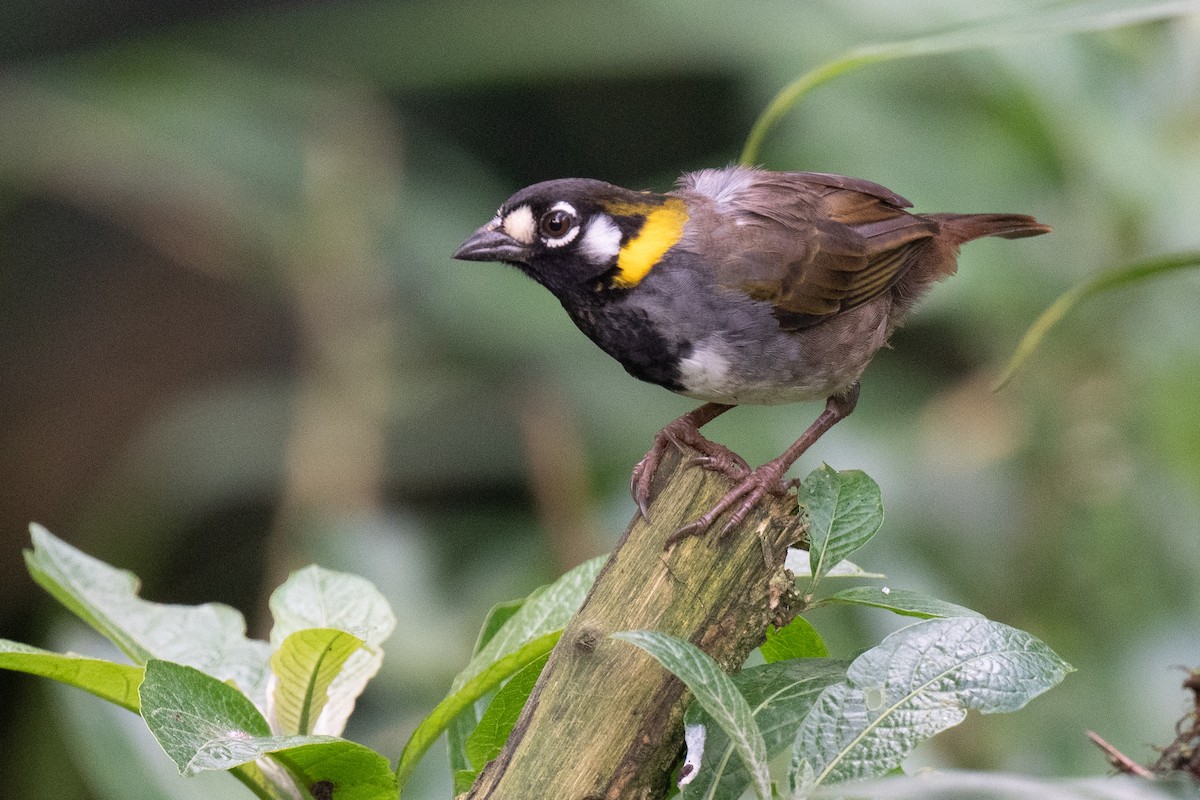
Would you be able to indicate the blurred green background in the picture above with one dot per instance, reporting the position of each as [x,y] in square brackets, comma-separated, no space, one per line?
[232,340]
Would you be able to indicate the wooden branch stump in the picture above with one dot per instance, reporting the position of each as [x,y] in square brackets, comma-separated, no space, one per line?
[605,720]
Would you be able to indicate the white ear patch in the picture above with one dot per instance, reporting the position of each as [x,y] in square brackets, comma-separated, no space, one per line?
[519,224]
[602,240]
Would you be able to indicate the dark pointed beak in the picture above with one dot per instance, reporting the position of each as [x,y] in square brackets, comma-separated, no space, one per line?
[491,244]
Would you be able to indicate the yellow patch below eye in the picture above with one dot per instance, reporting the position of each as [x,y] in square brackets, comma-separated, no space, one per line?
[660,232]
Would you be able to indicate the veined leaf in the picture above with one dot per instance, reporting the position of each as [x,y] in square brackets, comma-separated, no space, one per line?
[779,696]
[318,598]
[204,724]
[315,597]
[304,668]
[954,785]
[201,722]
[917,682]
[209,637]
[844,511]
[716,694]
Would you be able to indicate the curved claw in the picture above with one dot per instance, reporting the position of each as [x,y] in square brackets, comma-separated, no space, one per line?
[643,507]
[639,482]
[683,433]
[694,528]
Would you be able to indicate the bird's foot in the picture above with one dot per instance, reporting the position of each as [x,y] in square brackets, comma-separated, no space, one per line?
[682,433]
[753,486]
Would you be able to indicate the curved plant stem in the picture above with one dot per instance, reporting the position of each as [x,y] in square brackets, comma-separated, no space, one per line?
[1121,276]
[791,94]
[1010,30]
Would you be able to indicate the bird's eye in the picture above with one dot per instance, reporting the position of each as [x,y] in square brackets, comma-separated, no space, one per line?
[556,223]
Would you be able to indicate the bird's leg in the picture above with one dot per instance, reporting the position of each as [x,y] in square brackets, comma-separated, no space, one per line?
[686,431]
[768,479]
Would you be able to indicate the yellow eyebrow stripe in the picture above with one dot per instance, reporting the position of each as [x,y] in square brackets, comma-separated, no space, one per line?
[661,230]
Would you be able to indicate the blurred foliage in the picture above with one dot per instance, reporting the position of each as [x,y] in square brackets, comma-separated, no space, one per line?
[232,341]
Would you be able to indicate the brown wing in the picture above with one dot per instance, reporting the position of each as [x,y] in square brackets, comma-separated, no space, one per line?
[813,244]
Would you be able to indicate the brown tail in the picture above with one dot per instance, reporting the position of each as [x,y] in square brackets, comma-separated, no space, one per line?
[939,258]
[965,227]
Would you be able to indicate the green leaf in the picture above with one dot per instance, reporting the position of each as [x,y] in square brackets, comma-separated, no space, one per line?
[432,726]
[116,683]
[779,695]
[204,724]
[716,694]
[1004,786]
[338,769]
[917,682]
[315,597]
[497,722]
[1121,276]
[510,626]
[106,599]
[458,731]
[547,609]
[318,598]
[464,779]
[498,615]
[1025,26]
[844,511]
[201,722]
[109,745]
[305,667]
[797,639]
[899,601]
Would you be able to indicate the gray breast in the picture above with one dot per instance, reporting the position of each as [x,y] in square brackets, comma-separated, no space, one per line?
[733,351]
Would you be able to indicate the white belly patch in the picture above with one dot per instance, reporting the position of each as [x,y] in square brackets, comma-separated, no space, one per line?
[705,372]
[708,374]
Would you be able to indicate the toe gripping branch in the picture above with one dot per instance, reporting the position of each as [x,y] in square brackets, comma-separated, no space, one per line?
[750,486]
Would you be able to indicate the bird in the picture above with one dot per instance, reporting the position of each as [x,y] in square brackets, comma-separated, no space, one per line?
[740,286]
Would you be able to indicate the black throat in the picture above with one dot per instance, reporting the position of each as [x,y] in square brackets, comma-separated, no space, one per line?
[628,334]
